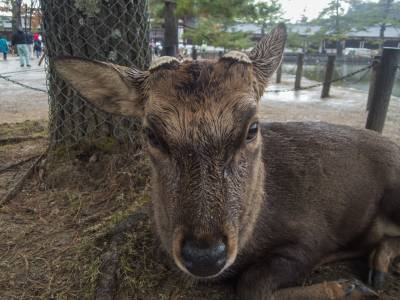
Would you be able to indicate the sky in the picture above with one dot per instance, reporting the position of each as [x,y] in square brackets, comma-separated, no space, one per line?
[294,9]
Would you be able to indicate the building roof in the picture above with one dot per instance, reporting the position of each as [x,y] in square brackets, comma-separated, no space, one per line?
[373,32]
[309,29]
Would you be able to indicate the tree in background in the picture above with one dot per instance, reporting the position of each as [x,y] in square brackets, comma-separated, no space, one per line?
[171,40]
[30,10]
[266,14]
[333,24]
[15,7]
[212,22]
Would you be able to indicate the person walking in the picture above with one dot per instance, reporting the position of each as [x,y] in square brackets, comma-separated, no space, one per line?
[4,47]
[36,37]
[29,43]
[19,40]
[37,47]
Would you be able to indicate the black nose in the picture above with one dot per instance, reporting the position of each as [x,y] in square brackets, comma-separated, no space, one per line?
[203,259]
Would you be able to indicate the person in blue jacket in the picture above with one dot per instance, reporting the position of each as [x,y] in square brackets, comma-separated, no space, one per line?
[4,47]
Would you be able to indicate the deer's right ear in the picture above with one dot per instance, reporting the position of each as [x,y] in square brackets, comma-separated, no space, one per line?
[111,88]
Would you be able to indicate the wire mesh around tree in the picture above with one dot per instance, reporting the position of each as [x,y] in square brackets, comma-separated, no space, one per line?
[115,31]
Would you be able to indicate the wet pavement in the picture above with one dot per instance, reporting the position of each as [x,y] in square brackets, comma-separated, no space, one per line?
[19,103]
[344,106]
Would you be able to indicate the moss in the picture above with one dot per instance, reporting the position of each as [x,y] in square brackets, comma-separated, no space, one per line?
[90,7]
[140,274]
[105,144]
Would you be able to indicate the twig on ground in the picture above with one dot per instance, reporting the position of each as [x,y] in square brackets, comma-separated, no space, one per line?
[107,283]
[19,139]
[20,183]
[18,163]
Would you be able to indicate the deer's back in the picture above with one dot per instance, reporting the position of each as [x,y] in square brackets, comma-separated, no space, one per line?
[324,182]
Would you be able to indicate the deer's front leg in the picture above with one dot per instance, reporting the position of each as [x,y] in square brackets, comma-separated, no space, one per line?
[276,279]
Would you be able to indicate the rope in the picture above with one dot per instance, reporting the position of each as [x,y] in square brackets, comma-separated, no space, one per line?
[367,68]
[23,84]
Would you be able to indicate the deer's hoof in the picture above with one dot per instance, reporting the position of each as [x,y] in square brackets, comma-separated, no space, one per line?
[376,278]
[357,290]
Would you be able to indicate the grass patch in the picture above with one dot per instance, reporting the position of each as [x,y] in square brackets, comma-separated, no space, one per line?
[37,128]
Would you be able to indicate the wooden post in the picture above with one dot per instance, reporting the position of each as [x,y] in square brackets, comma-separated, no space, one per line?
[171,29]
[194,52]
[385,78]
[299,71]
[279,73]
[330,67]
[375,64]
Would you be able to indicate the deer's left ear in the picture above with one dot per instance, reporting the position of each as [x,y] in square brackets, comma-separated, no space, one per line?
[267,55]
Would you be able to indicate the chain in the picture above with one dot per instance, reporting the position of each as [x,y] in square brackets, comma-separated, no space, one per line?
[23,71]
[362,77]
[23,84]
[367,68]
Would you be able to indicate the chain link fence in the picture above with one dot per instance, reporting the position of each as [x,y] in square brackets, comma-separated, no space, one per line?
[114,31]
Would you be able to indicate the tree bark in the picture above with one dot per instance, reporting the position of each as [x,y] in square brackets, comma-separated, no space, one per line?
[16,15]
[115,31]
[339,48]
[171,29]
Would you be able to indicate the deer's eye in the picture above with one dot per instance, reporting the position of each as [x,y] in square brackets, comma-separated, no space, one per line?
[252,133]
[153,139]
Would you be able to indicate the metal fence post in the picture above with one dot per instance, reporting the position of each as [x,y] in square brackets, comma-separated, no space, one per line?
[279,73]
[330,66]
[299,71]
[385,78]
[194,53]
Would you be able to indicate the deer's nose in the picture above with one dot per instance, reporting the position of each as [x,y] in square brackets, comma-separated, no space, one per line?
[203,259]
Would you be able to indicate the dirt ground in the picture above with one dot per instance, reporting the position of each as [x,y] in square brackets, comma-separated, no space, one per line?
[55,233]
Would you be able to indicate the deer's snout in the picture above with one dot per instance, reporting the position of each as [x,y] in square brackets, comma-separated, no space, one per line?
[203,258]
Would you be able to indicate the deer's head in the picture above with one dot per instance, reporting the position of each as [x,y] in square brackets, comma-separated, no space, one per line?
[200,120]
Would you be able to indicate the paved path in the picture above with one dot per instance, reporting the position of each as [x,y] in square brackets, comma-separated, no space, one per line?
[18,103]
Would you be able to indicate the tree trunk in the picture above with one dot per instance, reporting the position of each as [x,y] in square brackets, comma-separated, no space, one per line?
[16,15]
[26,19]
[170,29]
[32,7]
[115,31]
[339,48]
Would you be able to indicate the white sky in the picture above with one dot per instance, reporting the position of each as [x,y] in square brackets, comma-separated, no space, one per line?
[294,9]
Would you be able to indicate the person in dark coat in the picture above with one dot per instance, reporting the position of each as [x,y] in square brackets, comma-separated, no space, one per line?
[19,41]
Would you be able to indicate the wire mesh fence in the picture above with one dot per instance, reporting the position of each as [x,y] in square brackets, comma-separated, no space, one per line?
[114,31]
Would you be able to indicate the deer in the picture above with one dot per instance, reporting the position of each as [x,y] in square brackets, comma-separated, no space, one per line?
[234,198]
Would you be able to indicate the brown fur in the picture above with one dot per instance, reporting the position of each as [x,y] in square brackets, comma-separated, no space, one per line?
[283,202]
